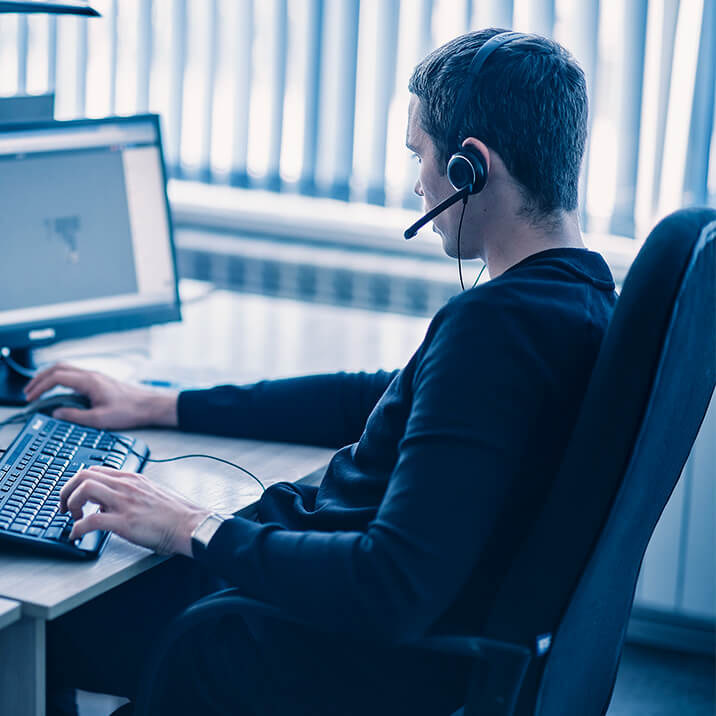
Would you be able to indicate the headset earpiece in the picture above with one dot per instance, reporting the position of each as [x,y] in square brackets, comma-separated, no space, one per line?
[467,167]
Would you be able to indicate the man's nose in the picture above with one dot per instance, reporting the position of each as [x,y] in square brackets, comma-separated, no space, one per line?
[417,188]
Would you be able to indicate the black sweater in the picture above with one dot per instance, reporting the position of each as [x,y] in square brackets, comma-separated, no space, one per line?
[443,465]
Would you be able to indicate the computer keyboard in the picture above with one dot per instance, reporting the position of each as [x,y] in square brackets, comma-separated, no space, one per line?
[42,458]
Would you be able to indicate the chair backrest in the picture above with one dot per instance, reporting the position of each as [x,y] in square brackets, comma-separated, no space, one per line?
[575,574]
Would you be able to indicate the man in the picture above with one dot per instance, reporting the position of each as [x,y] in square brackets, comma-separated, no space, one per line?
[440,464]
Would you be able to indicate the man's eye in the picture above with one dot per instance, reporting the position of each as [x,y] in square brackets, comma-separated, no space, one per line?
[416,157]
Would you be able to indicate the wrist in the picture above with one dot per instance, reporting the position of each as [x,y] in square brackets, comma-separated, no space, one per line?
[162,409]
[195,518]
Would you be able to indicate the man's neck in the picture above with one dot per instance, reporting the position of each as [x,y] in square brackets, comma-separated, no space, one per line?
[526,239]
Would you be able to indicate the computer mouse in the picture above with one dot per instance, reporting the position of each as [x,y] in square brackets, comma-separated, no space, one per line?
[59,400]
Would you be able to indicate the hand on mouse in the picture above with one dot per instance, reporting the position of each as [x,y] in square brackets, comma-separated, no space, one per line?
[132,506]
[115,405]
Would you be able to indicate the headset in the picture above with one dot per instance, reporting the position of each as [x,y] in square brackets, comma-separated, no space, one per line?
[467,167]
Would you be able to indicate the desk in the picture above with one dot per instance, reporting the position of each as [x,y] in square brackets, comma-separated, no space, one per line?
[224,337]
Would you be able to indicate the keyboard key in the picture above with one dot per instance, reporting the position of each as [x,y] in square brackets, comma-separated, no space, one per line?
[53,533]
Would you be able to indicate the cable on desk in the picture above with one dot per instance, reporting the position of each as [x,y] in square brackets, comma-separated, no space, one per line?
[186,457]
[22,417]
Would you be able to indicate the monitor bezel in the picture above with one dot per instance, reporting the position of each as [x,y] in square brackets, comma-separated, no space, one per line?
[90,324]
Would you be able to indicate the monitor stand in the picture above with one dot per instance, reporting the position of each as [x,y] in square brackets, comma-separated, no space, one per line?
[12,380]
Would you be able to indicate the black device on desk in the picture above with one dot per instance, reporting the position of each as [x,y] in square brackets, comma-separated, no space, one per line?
[43,457]
[87,244]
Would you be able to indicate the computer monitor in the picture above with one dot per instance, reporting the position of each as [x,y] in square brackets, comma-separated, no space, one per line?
[86,243]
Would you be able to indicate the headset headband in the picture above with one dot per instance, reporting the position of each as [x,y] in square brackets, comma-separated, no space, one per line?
[477,62]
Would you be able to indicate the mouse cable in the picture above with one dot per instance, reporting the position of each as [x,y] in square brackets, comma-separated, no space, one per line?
[186,457]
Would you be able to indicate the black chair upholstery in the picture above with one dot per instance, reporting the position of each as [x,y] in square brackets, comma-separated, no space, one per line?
[645,402]
[553,639]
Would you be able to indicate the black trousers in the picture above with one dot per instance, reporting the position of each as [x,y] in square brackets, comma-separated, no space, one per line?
[243,665]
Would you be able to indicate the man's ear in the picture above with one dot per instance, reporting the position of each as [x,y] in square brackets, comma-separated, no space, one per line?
[477,146]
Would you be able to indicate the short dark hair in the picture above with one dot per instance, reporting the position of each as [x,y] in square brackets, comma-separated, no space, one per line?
[528,104]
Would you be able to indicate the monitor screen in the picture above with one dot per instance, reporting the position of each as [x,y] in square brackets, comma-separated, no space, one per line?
[85,230]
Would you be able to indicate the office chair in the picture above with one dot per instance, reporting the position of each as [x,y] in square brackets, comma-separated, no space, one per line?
[552,642]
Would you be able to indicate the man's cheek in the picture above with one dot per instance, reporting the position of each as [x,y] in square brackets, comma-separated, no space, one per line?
[429,200]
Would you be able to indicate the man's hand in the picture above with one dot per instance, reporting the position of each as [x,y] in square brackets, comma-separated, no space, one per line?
[115,405]
[133,507]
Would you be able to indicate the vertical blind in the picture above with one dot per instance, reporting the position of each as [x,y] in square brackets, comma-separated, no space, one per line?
[310,96]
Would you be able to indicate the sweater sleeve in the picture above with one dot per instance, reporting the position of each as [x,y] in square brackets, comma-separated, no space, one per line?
[328,410]
[474,398]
